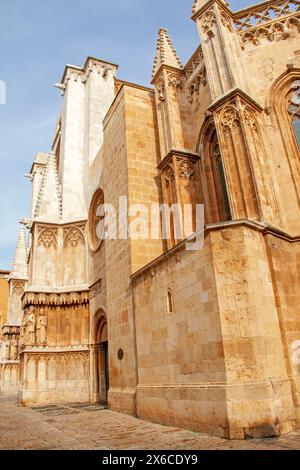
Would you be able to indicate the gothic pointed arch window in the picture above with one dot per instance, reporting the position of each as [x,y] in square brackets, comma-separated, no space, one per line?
[213,178]
[294,110]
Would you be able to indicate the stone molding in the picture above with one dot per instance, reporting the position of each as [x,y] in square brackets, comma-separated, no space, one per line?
[55,299]
[260,226]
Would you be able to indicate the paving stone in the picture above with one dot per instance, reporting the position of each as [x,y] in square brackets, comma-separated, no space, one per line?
[27,428]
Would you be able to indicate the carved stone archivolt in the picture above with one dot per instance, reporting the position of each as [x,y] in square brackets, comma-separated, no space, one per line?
[47,237]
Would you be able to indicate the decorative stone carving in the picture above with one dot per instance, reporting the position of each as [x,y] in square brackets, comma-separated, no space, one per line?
[229,117]
[18,287]
[74,236]
[14,349]
[29,327]
[47,237]
[170,172]
[249,117]
[196,83]
[194,64]
[58,357]
[186,169]
[226,22]
[56,299]
[271,23]
[262,14]
[160,87]
[41,328]
[207,22]
[175,80]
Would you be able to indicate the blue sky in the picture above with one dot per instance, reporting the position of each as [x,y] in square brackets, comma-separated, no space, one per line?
[37,39]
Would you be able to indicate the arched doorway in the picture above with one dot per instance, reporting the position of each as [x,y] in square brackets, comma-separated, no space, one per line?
[101,359]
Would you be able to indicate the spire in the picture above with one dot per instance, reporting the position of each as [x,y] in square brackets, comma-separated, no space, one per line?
[49,205]
[20,267]
[166,53]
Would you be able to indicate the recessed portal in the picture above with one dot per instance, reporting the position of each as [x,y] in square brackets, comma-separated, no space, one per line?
[101,361]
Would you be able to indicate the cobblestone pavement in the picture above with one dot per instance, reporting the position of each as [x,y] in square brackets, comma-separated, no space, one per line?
[92,427]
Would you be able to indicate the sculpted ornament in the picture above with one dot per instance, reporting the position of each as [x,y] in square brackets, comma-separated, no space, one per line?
[47,237]
[229,118]
[265,33]
[175,80]
[226,22]
[73,237]
[160,87]
[249,117]
[41,328]
[14,349]
[195,85]
[18,287]
[170,172]
[207,22]
[29,328]
[186,170]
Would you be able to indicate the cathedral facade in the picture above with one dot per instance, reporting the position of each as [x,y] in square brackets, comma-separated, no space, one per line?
[206,339]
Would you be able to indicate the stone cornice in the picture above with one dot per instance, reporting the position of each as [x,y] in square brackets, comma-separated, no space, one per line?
[222,100]
[41,223]
[55,299]
[83,72]
[133,85]
[260,226]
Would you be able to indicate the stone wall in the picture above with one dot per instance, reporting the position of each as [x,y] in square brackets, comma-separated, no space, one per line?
[216,362]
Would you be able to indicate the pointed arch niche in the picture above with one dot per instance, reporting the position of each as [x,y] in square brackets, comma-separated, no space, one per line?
[212,174]
[285,102]
[74,256]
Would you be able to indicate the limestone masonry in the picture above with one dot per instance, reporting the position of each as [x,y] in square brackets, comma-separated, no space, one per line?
[209,339]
